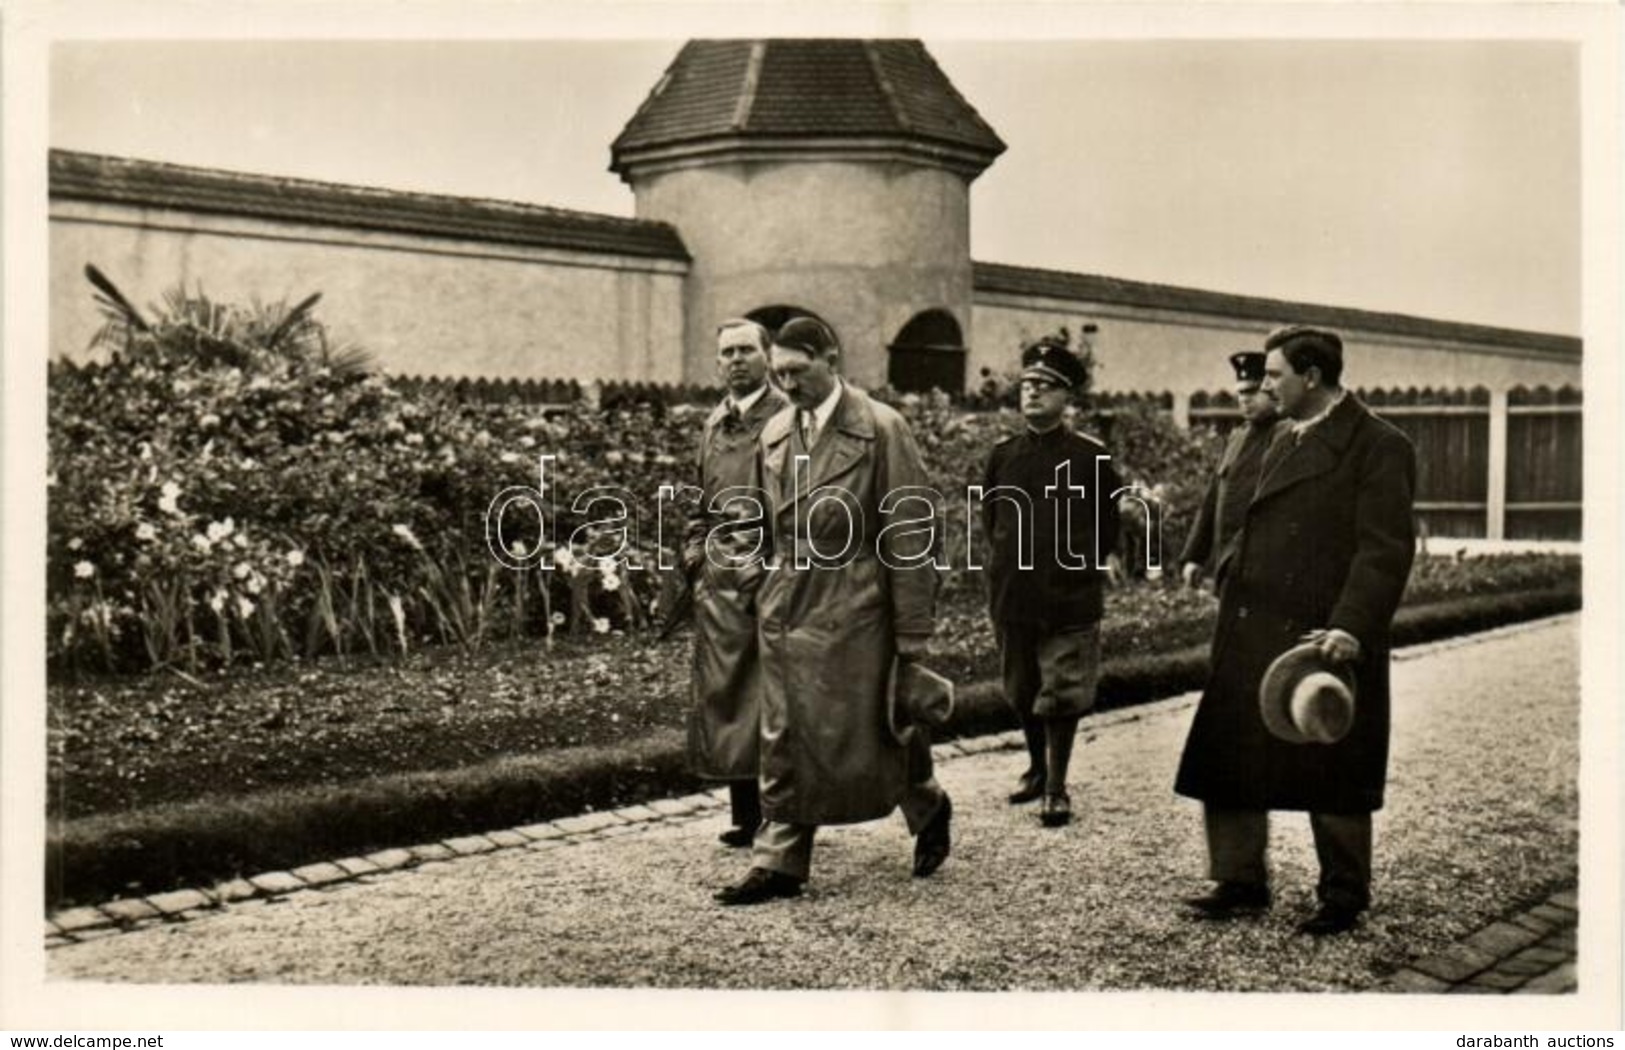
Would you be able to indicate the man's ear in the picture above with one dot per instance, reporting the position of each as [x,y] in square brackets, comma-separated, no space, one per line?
[1311,376]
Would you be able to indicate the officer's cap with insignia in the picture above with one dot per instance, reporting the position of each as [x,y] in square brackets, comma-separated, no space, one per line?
[1249,366]
[1048,359]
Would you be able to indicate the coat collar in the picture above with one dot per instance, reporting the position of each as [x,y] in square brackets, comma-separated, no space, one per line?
[767,403]
[846,438]
[1318,451]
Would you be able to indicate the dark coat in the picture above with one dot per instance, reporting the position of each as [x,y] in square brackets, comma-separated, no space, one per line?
[1224,504]
[1053,591]
[1327,542]
[724,716]
[828,633]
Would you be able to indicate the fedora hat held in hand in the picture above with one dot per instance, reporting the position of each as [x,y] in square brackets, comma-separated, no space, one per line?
[1306,699]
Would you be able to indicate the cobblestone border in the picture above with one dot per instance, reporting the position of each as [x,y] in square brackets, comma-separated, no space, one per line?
[1528,952]
[89,922]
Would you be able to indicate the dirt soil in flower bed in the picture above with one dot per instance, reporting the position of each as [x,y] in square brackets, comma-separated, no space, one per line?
[120,744]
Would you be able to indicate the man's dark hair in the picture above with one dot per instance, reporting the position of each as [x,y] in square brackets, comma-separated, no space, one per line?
[1304,347]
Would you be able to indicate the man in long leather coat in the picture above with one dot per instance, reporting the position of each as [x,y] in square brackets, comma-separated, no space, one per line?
[851,589]
[723,719]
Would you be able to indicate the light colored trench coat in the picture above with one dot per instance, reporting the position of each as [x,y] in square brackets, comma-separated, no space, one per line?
[723,723]
[828,630]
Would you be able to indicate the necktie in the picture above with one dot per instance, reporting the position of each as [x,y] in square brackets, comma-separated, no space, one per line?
[734,419]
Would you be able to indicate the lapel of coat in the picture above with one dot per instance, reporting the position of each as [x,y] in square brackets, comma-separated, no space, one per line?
[1319,451]
[1232,447]
[844,440]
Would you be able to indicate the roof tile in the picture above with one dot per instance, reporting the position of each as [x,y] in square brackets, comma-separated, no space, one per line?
[806,88]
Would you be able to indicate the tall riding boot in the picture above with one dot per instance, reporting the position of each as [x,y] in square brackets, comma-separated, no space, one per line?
[745,800]
[1059,734]
[1031,784]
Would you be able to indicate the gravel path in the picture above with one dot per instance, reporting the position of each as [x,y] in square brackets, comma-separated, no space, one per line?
[1482,815]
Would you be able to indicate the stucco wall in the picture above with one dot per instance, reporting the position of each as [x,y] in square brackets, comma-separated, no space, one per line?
[1147,350]
[422,305]
[864,244]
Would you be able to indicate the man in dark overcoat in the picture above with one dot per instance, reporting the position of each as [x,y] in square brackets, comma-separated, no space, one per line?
[724,572]
[1224,504]
[1324,553]
[851,588]
[1050,515]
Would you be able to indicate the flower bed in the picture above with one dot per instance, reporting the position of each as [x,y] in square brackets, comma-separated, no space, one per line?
[214,504]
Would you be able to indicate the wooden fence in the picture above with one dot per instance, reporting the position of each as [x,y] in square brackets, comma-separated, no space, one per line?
[1495,464]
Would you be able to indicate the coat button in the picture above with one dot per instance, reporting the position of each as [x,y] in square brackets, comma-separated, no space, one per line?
[1241,613]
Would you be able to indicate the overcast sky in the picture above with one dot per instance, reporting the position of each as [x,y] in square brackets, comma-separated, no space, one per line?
[1433,178]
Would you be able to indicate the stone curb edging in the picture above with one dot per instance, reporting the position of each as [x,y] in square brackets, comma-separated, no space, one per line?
[90,922]
[1528,952]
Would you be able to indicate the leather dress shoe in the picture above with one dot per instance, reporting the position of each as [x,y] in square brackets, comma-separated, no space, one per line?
[738,838]
[760,886]
[1029,787]
[1330,919]
[1231,899]
[932,845]
[1056,811]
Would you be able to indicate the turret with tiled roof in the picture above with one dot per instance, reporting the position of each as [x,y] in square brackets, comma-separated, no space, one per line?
[727,99]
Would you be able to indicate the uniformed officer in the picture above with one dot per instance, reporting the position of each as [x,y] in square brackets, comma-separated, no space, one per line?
[1050,515]
[726,707]
[1224,505]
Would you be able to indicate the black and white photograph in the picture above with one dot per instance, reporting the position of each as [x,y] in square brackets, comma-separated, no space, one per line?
[1060,516]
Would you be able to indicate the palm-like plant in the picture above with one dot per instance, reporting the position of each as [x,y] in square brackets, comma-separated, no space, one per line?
[192,327]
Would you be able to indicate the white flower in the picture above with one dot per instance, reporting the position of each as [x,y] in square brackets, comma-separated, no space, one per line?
[557,619]
[520,549]
[219,530]
[207,420]
[526,441]
[245,607]
[167,497]
[406,534]
[563,558]
[296,558]
[612,581]
[482,439]
[414,439]
[509,457]
[84,570]
[600,625]
[217,600]
[145,532]
[240,571]
[201,542]
[145,449]
[255,584]
[239,540]
[613,457]
[50,479]
[75,543]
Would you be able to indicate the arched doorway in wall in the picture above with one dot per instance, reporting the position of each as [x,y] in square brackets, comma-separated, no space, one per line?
[929,352]
[774,317]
